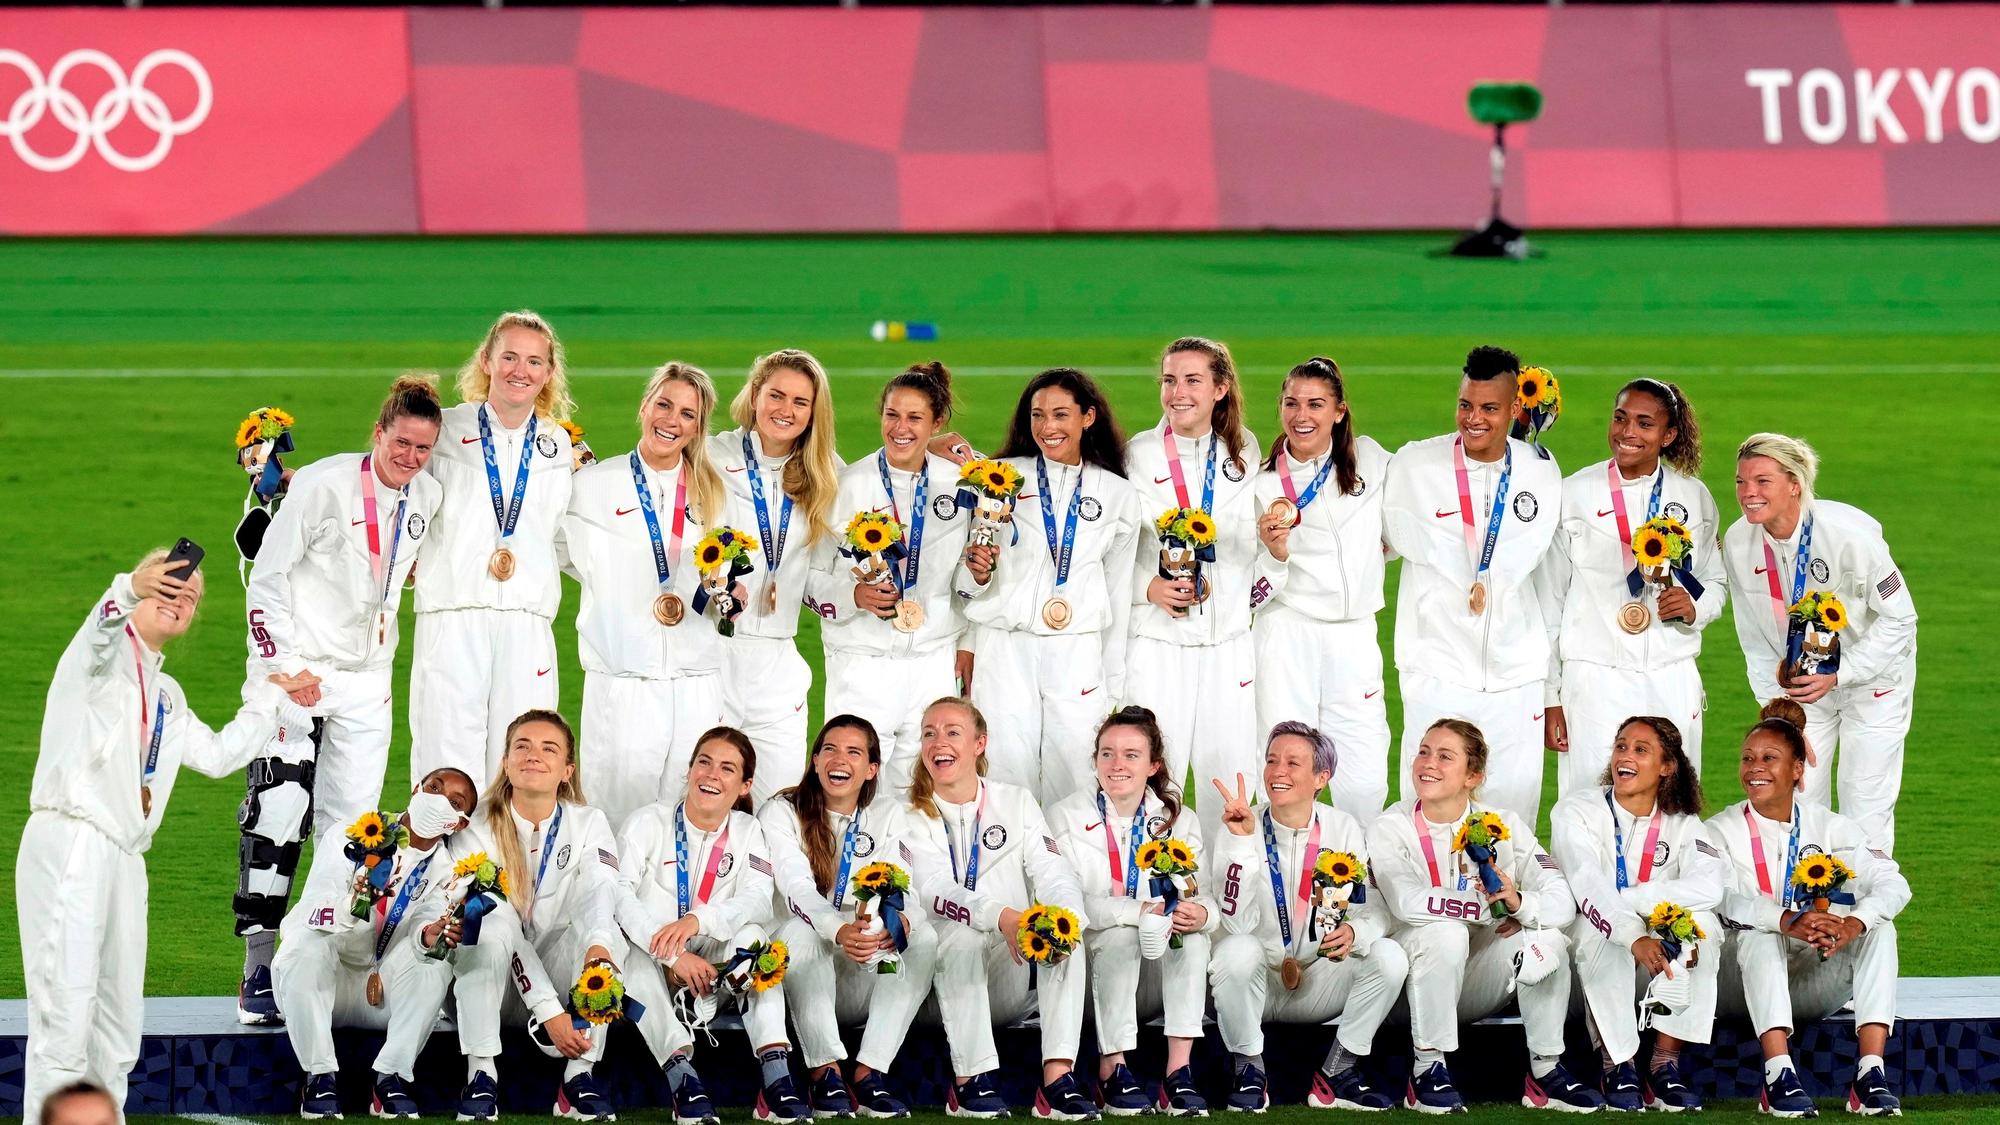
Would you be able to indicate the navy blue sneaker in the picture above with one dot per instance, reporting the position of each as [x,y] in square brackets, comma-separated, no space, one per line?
[1870,1096]
[582,1099]
[1621,1090]
[1250,1094]
[1668,1092]
[975,1097]
[480,1100]
[1178,1096]
[873,1099]
[691,1104]
[1347,1090]
[1121,1095]
[392,1098]
[780,1101]
[319,1100]
[1063,1100]
[1558,1090]
[1432,1092]
[1786,1098]
[828,1095]
[256,1004]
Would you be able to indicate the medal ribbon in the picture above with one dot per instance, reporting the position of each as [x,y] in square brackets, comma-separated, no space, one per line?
[510,515]
[1757,850]
[384,574]
[1430,850]
[1493,520]
[907,579]
[1618,841]
[1301,499]
[548,849]
[1128,873]
[387,922]
[1180,482]
[1278,895]
[1634,581]
[149,739]
[774,546]
[661,552]
[971,880]
[709,871]
[1061,555]
[1779,604]
[846,859]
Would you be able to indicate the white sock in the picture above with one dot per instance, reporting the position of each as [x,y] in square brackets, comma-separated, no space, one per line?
[1541,1065]
[1425,1059]
[475,1065]
[1868,1063]
[1772,1067]
[576,1067]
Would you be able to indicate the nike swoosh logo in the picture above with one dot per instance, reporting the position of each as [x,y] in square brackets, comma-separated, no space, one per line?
[1088,690]
[468,441]
[543,672]
[1447,513]
[879,508]
[1371,694]
[1880,694]
[735,468]
[624,511]
[1161,480]
[1606,512]
[359,522]
[1538,717]
[1760,570]
[1245,683]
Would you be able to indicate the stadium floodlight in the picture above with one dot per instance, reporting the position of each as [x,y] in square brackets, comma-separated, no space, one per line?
[1499,104]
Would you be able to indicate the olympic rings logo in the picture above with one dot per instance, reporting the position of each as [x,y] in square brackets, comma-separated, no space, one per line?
[47,96]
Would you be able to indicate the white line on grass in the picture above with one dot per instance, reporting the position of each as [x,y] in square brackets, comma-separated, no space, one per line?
[1023,371]
[216,1119]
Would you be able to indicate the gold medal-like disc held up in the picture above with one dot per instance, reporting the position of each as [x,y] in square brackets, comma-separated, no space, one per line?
[909,615]
[501,564]
[771,596]
[1634,617]
[1057,613]
[1284,509]
[1478,599]
[146,800]
[374,990]
[1291,972]
[668,610]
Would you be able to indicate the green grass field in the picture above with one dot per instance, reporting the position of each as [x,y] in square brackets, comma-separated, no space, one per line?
[127,365]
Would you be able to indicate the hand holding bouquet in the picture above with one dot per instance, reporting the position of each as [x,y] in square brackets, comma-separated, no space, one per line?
[1339,882]
[884,884]
[1171,865]
[1047,935]
[483,885]
[1537,405]
[1479,838]
[757,967]
[1187,540]
[988,487]
[372,841]
[876,543]
[1812,644]
[722,557]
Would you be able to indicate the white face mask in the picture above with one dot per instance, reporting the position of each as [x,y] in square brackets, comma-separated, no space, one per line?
[432,816]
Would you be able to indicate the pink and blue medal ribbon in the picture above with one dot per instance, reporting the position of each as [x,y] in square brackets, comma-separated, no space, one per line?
[709,872]
[1618,842]
[1128,871]
[1278,896]
[1493,519]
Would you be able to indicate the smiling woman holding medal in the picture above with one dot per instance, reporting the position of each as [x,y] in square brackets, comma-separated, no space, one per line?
[651,668]
[782,477]
[1854,673]
[891,644]
[1627,630]
[487,593]
[1050,635]
[1319,582]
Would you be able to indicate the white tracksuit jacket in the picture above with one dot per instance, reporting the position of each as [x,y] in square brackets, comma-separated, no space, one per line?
[1687,869]
[1020,863]
[1866,717]
[825,988]
[1319,659]
[1778,981]
[1054,686]
[1598,673]
[80,872]
[485,650]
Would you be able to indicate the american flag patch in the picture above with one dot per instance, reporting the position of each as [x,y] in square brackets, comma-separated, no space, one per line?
[607,859]
[1707,849]
[1050,844]
[1878,853]
[1548,862]
[760,863]
[1888,586]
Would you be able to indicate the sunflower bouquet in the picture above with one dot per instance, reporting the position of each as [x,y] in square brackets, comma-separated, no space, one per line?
[722,557]
[372,841]
[598,996]
[884,884]
[579,449]
[876,542]
[1047,934]
[1479,839]
[1187,540]
[1537,405]
[1812,643]
[1818,882]
[1662,547]
[988,487]
[260,438]
[482,885]
[1675,926]
[1339,881]
[757,967]
[1171,866]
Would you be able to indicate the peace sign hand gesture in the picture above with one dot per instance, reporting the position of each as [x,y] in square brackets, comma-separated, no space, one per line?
[1235,809]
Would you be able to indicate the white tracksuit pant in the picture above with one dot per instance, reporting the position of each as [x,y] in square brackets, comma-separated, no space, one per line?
[1126,988]
[825,988]
[81,903]
[487,995]
[1204,698]
[1043,698]
[1249,993]
[320,981]
[1782,983]
[639,735]
[1596,698]
[1511,720]
[1329,674]
[472,672]
[978,983]
[646,980]
[1461,973]
[1864,725]
[765,683]
[891,693]
[1612,984]
[353,753]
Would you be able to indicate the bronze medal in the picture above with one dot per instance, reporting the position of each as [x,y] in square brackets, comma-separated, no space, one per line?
[500,564]
[909,615]
[1291,973]
[668,610]
[1478,599]
[146,800]
[1634,617]
[1057,613]
[375,990]
[1285,510]
[771,596]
